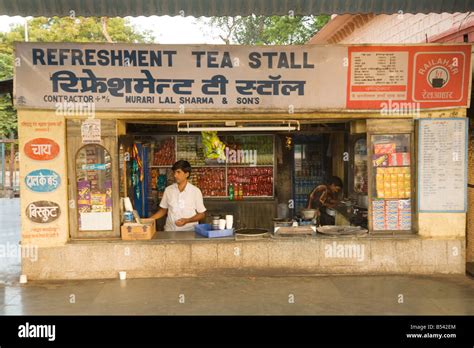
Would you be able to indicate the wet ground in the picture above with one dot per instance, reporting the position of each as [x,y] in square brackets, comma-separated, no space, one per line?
[318,295]
[245,295]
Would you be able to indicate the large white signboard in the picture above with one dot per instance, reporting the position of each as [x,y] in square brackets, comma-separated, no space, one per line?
[177,78]
[442,165]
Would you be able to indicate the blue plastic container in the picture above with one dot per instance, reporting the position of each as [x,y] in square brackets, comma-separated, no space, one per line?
[207,231]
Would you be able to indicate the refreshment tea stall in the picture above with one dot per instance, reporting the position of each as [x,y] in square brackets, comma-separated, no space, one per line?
[389,120]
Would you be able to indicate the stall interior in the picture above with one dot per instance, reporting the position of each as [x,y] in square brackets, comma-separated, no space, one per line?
[266,176]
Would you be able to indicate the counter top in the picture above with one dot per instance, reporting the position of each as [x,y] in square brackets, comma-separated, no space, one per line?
[184,235]
[190,237]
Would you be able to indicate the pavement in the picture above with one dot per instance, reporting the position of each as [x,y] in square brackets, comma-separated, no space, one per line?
[319,295]
[224,295]
[9,239]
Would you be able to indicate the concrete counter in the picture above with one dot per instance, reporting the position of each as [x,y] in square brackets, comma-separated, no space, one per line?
[188,255]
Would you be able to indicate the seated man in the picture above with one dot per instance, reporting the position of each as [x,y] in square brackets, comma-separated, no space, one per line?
[182,201]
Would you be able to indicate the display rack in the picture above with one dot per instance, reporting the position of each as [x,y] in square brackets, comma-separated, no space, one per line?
[189,147]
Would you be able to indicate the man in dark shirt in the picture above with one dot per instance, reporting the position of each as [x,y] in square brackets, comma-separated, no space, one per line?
[325,196]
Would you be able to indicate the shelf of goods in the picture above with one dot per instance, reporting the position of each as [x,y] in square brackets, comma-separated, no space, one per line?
[249,165]
[391,204]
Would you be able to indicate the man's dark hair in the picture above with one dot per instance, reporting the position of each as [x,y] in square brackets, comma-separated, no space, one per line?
[336,181]
[183,165]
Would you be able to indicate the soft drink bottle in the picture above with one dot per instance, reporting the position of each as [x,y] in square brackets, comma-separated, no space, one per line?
[231,192]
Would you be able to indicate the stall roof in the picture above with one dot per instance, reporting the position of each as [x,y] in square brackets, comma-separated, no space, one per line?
[197,8]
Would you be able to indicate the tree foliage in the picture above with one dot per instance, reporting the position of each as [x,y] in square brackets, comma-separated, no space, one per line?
[269,30]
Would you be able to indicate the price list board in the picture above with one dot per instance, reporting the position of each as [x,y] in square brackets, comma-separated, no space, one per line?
[379,76]
[442,165]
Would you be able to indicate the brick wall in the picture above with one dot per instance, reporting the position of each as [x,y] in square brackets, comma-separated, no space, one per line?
[407,28]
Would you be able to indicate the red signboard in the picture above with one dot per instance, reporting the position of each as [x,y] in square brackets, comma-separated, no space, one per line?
[41,149]
[431,76]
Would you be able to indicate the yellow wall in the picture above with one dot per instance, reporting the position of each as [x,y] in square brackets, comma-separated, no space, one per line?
[43,124]
[442,225]
[470,214]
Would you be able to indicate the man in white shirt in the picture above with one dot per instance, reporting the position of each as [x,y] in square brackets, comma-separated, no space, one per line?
[182,201]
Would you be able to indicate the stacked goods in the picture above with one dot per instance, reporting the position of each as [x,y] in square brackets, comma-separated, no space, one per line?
[378,208]
[190,148]
[391,215]
[393,182]
[258,148]
[84,196]
[254,181]
[264,148]
[186,148]
[404,210]
[165,153]
[160,179]
[382,149]
[98,202]
[399,159]
[92,175]
[211,181]
[108,195]
[154,178]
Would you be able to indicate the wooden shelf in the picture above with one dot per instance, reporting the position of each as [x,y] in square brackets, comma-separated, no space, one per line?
[249,166]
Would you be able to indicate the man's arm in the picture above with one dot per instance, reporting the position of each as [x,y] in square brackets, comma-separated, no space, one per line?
[316,195]
[163,207]
[196,218]
[159,214]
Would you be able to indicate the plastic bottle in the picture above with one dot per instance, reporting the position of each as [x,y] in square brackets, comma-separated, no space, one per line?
[231,192]
[237,192]
[241,192]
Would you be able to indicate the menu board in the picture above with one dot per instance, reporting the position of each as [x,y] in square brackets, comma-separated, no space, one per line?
[442,165]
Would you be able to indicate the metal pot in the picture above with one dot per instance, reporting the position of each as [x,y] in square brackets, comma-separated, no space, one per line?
[330,212]
[309,214]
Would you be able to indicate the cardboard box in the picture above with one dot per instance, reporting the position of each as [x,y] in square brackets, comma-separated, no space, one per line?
[134,231]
